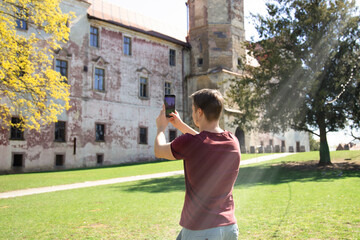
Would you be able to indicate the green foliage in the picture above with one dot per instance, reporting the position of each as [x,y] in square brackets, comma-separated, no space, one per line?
[314,145]
[308,75]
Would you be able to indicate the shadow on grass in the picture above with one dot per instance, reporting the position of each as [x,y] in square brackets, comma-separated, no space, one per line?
[158,185]
[282,173]
[249,176]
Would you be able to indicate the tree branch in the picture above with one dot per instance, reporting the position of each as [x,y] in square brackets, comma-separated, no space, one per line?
[304,129]
[355,137]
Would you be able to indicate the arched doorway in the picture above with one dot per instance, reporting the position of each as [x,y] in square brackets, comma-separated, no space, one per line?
[239,133]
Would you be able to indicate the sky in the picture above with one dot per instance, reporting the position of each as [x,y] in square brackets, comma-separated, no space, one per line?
[174,13]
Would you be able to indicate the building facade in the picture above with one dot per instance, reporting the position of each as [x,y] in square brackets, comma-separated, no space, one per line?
[119,72]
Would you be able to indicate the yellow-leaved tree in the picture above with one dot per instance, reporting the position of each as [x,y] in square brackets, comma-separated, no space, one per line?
[30,88]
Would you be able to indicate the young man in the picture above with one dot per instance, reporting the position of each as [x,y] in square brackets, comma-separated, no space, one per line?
[211,165]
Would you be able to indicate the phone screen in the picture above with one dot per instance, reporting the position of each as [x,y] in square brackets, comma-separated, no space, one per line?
[169,104]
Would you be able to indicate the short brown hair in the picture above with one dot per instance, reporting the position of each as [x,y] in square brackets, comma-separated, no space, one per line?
[210,101]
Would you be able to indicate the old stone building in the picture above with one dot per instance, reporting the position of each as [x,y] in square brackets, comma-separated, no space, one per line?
[216,34]
[119,72]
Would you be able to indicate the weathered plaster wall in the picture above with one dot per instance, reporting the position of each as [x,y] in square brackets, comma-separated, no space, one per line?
[118,107]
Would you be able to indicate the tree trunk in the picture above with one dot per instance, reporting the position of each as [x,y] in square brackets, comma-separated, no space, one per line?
[324,147]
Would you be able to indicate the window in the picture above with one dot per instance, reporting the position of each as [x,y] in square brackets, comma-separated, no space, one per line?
[94,37]
[17,160]
[167,88]
[239,62]
[59,160]
[61,66]
[143,135]
[172,135]
[99,159]
[143,87]
[100,132]
[60,131]
[200,62]
[16,133]
[172,57]
[21,16]
[99,79]
[127,46]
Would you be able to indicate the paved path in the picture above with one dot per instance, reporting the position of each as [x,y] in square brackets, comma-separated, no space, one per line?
[31,191]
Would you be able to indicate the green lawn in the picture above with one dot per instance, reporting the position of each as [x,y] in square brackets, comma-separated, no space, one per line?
[273,201]
[32,180]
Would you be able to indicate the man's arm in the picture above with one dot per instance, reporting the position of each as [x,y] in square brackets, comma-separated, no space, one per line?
[162,149]
[180,125]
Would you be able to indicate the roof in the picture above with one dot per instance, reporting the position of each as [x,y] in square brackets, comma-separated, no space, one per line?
[113,14]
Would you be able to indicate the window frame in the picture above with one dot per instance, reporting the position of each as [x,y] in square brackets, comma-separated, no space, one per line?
[141,137]
[21,23]
[62,133]
[127,46]
[56,160]
[96,79]
[94,35]
[15,132]
[100,137]
[63,160]
[62,67]
[22,160]
[167,89]
[172,131]
[142,89]
[172,57]
[99,155]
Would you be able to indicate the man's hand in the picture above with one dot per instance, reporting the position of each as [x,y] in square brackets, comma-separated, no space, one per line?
[162,121]
[162,149]
[180,125]
[175,120]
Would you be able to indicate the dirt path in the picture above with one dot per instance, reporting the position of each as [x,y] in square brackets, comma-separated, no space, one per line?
[31,191]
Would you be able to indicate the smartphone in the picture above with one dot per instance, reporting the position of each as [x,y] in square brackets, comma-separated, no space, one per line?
[169,101]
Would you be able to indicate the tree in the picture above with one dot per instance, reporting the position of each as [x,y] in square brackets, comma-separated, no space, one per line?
[308,73]
[30,30]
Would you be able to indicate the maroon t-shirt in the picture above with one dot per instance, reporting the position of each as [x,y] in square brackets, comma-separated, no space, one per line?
[211,166]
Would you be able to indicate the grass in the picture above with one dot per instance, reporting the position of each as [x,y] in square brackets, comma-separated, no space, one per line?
[278,201]
[43,179]
[273,201]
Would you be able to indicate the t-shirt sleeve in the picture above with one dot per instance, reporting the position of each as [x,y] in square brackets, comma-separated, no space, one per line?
[179,147]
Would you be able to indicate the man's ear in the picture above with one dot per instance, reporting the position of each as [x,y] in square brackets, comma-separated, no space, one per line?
[200,112]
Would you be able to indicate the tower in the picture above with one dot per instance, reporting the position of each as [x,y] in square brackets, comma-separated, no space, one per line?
[216,36]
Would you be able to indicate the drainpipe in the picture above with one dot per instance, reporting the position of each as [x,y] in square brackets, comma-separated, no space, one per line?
[184,84]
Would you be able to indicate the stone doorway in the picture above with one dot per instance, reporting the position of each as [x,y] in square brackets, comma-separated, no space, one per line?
[240,134]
